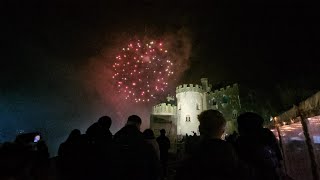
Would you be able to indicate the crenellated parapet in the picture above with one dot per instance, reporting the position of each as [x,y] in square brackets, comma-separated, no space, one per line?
[189,88]
[165,109]
[229,90]
[225,99]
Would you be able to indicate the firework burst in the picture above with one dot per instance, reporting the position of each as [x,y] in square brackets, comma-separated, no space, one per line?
[142,70]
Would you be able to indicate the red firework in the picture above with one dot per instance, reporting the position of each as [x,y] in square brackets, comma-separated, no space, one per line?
[142,70]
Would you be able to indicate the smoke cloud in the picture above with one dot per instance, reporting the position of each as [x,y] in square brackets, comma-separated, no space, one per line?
[98,75]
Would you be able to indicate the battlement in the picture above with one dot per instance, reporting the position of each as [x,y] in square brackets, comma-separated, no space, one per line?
[189,88]
[227,90]
[163,108]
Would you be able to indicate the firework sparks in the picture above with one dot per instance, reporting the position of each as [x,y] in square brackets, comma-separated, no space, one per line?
[142,70]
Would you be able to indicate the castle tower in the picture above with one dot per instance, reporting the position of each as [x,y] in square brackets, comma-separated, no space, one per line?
[205,85]
[190,102]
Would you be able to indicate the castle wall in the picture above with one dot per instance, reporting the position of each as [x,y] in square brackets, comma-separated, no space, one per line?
[191,101]
[167,122]
[227,101]
[164,109]
[190,105]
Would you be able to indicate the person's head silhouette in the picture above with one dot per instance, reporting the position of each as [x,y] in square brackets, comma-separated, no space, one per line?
[162,132]
[249,123]
[135,121]
[148,134]
[105,122]
[212,124]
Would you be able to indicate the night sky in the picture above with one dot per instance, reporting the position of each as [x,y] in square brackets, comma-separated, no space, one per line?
[56,56]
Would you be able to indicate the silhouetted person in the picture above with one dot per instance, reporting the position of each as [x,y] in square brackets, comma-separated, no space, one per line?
[269,139]
[133,157]
[150,139]
[164,145]
[41,160]
[69,146]
[70,157]
[16,162]
[99,132]
[26,158]
[98,149]
[43,151]
[255,146]
[213,158]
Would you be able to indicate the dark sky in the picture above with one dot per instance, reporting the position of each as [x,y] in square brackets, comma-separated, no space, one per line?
[274,41]
[47,48]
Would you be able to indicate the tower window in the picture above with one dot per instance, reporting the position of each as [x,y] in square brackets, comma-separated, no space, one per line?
[213,102]
[234,114]
[188,118]
[198,106]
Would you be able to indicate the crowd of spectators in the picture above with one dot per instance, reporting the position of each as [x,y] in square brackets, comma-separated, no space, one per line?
[132,154]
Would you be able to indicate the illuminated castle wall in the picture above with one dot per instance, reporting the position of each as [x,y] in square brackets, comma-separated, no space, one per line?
[164,116]
[191,100]
[164,109]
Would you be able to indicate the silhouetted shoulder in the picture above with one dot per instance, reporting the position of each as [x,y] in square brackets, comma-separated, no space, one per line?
[211,159]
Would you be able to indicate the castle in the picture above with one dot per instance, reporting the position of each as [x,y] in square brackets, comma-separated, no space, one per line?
[181,118]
